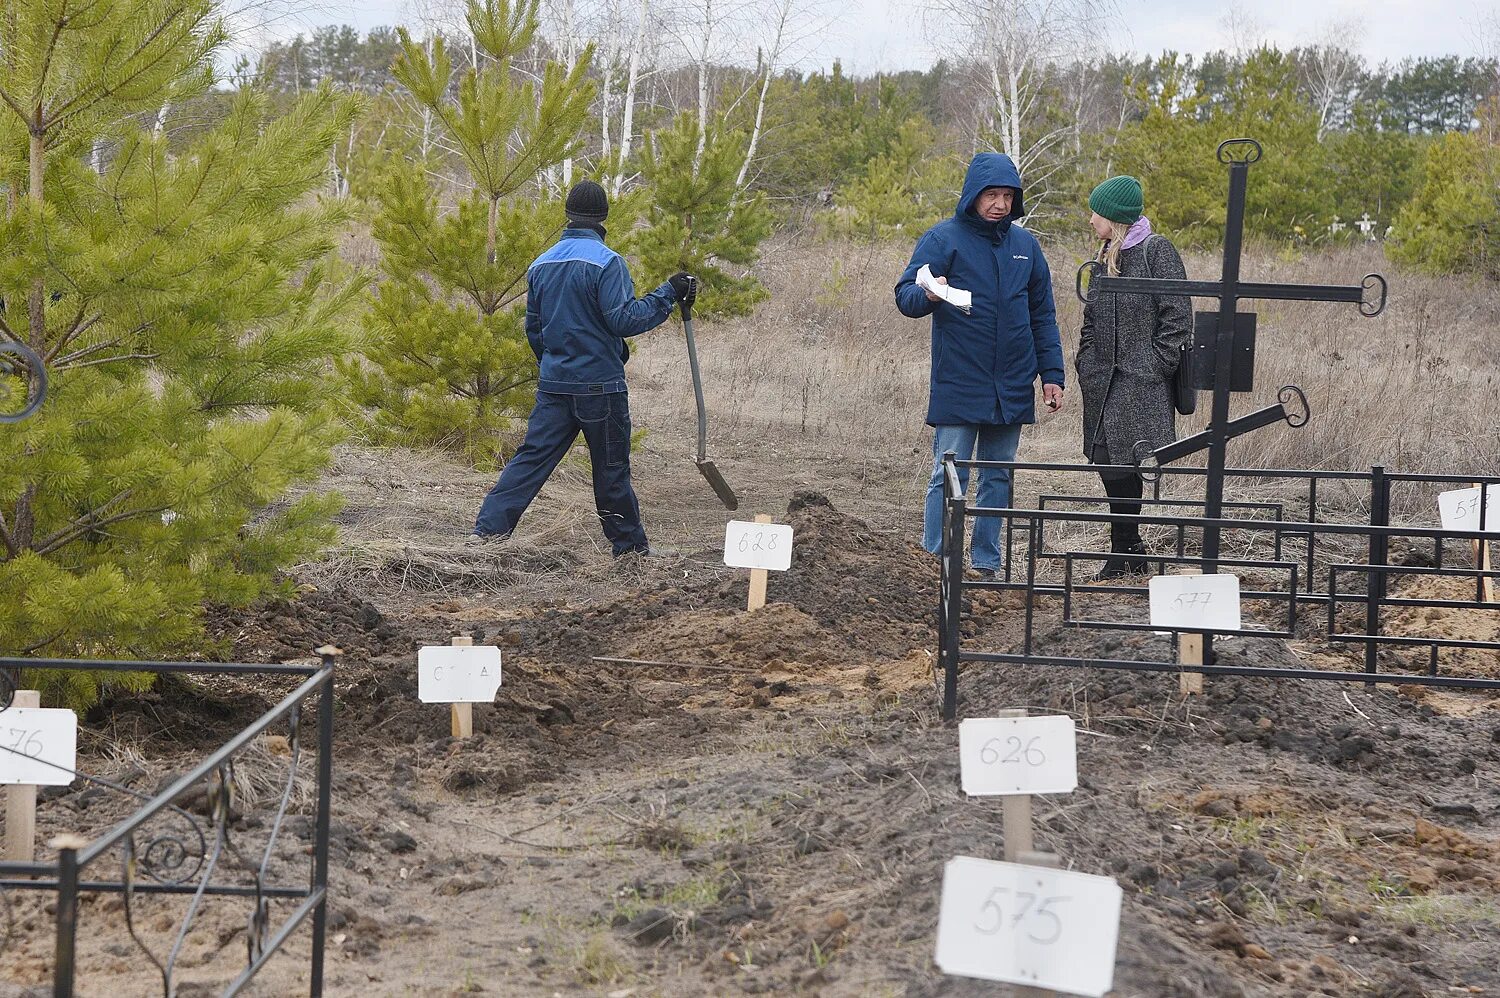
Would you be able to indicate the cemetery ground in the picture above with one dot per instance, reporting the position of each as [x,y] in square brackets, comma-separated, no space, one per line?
[769,809]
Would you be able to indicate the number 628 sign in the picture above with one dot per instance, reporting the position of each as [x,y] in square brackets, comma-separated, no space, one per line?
[758,545]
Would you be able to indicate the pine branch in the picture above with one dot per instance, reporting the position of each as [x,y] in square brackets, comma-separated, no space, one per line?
[70,534]
[115,359]
[11,549]
[29,649]
[59,22]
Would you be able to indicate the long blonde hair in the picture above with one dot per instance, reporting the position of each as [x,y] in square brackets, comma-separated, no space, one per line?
[1109,251]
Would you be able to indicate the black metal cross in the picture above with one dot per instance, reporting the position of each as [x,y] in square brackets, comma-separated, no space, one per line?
[1223,354]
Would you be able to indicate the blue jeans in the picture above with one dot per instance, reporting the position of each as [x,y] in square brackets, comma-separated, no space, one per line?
[995,443]
[551,429]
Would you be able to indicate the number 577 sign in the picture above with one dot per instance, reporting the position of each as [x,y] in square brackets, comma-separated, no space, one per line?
[1051,929]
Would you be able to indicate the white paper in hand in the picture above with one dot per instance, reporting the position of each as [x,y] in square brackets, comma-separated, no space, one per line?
[458,674]
[957,297]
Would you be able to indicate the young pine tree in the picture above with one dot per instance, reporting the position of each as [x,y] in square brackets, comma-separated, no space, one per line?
[695,216]
[445,341]
[1452,223]
[178,303]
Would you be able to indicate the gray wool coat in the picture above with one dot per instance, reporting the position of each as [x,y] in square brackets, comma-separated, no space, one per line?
[1127,355]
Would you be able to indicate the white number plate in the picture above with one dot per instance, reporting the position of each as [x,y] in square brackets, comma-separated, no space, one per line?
[758,545]
[1028,925]
[1018,755]
[1211,602]
[38,745]
[1459,509]
[458,674]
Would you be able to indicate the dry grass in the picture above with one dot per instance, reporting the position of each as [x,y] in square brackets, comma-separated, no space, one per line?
[830,358]
[825,387]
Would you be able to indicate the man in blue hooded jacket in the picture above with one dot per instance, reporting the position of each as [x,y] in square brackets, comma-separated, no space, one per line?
[580,307]
[984,362]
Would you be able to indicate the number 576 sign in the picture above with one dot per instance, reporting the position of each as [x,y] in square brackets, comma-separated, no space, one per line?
[1051,929]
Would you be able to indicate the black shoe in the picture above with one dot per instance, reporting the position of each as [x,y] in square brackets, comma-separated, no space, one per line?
[1124,561]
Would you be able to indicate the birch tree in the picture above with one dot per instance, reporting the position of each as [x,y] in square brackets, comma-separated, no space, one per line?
[1015,46]
[1331,70]
[790,23]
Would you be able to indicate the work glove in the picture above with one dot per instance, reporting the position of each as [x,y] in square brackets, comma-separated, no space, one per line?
[684,286]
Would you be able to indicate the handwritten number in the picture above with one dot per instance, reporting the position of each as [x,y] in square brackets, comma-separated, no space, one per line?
[992,906]
[1043,925]
[26,742]
[1057,927]
[1020,751]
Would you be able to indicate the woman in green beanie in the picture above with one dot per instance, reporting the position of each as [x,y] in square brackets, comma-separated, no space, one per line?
[1127,356]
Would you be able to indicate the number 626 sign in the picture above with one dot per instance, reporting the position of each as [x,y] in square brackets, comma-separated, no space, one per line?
[1018,755]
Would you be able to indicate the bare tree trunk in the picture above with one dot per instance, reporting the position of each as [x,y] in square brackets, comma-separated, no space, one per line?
[708,34]
[570,47]
[627,112]
[36,334]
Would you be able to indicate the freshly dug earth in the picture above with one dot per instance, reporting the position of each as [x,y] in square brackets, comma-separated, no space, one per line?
[766,805]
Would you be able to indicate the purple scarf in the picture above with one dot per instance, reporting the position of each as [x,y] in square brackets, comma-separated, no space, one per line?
[1137,234]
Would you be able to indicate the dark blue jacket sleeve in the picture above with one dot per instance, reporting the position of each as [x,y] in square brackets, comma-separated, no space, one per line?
[624,313]
[1044,333]
[910,299]
[533,322]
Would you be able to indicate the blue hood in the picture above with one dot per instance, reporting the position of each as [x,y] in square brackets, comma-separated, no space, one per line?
[990,169]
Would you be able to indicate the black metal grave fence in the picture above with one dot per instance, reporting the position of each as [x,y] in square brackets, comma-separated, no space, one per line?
[1305,552]
[195,855]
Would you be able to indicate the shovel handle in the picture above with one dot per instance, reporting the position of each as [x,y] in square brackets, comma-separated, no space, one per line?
[692,349]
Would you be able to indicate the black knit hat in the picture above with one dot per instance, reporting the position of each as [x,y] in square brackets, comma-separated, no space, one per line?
[587,203]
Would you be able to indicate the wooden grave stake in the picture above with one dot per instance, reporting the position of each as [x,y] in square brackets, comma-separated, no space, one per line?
[758,577]
[1015,812]
[20,803]
[1020,843]
[1047,860]
[463,713]
[1190,652]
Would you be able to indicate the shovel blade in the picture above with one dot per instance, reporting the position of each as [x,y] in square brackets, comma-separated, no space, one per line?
[716,482]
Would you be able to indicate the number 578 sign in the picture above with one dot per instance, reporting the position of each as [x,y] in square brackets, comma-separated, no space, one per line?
[1051,929]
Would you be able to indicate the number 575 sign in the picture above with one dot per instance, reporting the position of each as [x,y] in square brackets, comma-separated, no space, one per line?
[1051,929]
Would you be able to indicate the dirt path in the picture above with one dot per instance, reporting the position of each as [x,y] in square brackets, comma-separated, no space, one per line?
[781,828]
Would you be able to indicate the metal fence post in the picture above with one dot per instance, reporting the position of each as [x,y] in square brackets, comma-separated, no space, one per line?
[67,922]
[953,567]
[320,844]
[1380,516]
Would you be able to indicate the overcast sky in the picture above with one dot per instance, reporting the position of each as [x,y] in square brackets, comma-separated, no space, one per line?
[888,34]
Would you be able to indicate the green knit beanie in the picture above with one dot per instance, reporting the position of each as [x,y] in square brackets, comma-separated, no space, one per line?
[1118,199]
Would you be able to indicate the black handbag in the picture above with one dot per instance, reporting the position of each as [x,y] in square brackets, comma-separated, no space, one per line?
[1184,390]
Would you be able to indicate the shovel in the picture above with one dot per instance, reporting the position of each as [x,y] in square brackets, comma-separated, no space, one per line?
[705,466]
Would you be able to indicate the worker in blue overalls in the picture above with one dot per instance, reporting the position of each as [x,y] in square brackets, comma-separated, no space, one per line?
[580,307]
